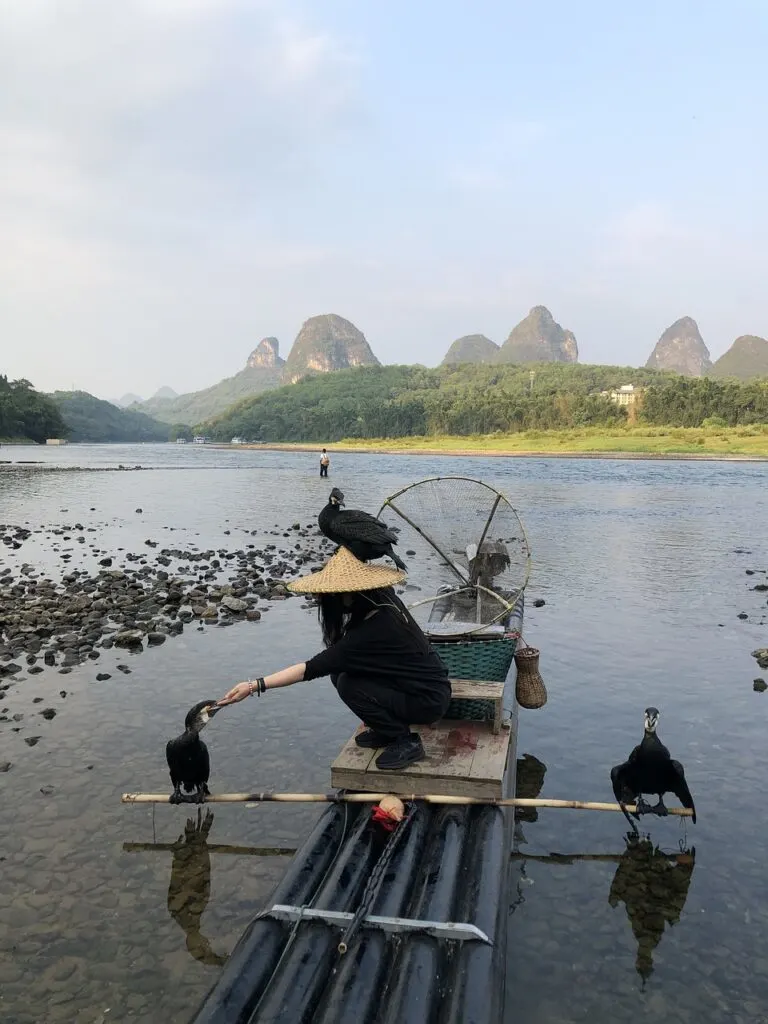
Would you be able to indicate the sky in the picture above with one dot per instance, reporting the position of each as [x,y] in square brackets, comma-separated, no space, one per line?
[181,178]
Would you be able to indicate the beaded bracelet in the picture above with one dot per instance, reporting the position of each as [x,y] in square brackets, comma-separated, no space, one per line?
[259,684]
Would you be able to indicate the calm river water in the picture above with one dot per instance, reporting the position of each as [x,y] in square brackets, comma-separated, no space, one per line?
[643,583]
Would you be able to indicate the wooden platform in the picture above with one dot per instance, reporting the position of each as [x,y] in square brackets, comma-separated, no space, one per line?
[463,759]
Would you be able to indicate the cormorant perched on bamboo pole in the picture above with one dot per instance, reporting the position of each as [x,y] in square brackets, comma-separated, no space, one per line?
[650,769]
[187,756]
[361,533]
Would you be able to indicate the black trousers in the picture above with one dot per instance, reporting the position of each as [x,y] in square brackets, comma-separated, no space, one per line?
[387,711]
[323,470]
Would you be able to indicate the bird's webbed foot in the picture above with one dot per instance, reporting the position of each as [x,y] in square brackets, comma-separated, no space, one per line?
[660,809]
[176,797]
[199,797]
[642,807]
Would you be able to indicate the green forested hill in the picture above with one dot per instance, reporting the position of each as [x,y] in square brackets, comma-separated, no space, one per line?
[402,401]
[746,359]
[25,414]
[92,419]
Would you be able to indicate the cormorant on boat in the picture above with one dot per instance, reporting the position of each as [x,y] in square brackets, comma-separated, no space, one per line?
[361,533]
[650,769]
[187,756]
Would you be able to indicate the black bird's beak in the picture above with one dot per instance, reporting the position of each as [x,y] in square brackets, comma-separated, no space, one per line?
[212,710]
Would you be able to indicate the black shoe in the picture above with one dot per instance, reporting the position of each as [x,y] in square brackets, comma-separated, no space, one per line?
[371,739]
[407,750]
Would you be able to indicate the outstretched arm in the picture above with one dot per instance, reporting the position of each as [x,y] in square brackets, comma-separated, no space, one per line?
[285,677]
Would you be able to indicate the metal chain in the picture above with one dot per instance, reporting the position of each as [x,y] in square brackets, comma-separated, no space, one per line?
[374,882]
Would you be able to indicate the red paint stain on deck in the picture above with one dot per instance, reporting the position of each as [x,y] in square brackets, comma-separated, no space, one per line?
[460,739]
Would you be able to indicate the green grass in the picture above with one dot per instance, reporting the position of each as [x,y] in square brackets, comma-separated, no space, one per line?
[749,441]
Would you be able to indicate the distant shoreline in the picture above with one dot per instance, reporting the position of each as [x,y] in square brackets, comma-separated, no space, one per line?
[469,452]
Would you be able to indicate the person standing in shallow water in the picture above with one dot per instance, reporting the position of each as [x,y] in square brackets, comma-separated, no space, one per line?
[325,461]
[379,660]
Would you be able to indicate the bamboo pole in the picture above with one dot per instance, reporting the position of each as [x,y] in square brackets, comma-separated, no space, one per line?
[373,798]
[240,851]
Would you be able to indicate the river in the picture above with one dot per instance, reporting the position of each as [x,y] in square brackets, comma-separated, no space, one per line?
[643,568]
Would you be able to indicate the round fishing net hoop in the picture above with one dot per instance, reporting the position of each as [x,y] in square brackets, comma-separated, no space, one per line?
[467,554]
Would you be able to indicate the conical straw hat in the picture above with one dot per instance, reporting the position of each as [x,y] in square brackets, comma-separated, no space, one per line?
[343,573]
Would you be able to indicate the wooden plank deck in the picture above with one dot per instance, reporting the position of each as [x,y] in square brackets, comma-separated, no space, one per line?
[463,759]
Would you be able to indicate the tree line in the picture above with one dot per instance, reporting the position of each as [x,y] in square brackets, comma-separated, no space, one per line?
[25,414]
[402,401]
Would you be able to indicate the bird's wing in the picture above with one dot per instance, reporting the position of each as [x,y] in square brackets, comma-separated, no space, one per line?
[622,783]
[359,525]
[635,754]
[679,787]
[205,763]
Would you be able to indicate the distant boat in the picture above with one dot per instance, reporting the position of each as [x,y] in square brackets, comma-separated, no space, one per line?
[200,439]
[238,440]
[181,440]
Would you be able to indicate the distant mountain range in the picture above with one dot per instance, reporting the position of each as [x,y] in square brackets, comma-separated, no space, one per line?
[324,344]
[328,343]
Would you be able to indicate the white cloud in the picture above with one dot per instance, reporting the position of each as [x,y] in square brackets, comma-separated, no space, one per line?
[140,143]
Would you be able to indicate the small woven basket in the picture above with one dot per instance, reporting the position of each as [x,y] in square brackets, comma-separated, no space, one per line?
[530,690]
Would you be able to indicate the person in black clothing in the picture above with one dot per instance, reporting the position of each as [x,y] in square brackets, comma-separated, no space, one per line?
[379,660]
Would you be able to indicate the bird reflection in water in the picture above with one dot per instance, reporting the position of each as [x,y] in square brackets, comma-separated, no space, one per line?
[190,886]
[653,886]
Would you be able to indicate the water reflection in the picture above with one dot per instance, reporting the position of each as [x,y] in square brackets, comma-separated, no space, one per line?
[653,886]
[529,784]
[189,888]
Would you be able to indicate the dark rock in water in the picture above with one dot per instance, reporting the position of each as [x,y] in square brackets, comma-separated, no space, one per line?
[48,713]
[742,615]
[760,685]
[124,669]
[129,638]
[761,654]
[761,587]
[49,658]
[750,572]
[47,790]
[102,677]
[139,509]
[539,602]
[155,639]
[9,670]
[5,766]
[233,604]
[253,615]
[32,741]
[35,670]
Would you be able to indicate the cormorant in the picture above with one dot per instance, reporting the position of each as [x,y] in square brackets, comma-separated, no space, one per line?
[361,533]
[650,769]
[187,756]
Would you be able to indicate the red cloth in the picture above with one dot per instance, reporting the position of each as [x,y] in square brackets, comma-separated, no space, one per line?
[385,819]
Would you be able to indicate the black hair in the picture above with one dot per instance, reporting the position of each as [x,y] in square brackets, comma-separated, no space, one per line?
[336,616]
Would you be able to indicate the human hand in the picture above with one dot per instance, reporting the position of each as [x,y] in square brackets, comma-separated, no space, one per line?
[237,693]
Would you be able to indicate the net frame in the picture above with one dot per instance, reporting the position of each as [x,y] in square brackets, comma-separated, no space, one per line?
[509,601]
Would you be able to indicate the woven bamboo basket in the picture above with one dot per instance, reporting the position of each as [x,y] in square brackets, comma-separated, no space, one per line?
[487,658]
[530,690]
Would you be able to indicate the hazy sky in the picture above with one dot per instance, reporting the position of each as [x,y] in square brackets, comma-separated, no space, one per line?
[180,178]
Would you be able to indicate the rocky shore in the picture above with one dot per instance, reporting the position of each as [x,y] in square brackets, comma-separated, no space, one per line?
[131,601]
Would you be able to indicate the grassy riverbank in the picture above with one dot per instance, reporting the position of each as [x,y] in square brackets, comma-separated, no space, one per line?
[744,441]
[658,442]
